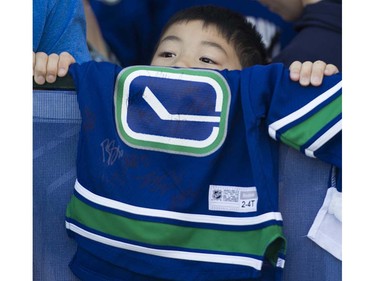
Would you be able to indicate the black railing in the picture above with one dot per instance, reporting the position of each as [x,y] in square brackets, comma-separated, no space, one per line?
[61,83]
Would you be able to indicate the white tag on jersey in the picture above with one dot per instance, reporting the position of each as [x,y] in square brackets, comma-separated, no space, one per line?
[232,198]
[280,263]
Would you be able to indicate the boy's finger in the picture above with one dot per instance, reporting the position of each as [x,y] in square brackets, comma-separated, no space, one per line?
[295,69]
[65,60]
[53,60]
[40,67]
[317,73]
[305,73]
[330,70]
[33,63]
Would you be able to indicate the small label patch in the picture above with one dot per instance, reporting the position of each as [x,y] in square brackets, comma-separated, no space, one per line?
[280,263]
[232,198]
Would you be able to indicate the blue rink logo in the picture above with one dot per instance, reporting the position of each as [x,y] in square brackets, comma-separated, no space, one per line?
[181,111]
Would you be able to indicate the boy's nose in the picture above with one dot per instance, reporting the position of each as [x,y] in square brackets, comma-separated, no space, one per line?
[183,62]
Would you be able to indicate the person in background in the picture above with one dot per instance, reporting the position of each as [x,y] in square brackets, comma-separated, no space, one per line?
[59,38]
[105,34]
[98,47]
[132,28]
[318,26]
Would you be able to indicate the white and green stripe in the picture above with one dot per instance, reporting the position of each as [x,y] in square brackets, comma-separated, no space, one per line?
[188,217]
[166,239]
[310,129]
[183,255]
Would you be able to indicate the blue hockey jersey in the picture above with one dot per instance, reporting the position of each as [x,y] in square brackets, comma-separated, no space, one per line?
[177,172]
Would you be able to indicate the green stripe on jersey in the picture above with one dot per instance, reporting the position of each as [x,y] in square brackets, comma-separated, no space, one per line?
[297,136]
[254,242]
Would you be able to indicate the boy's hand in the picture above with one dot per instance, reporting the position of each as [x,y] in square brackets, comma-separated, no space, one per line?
[48,67]
[311,73]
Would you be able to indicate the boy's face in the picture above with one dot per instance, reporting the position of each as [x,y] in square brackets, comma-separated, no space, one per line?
[189,44]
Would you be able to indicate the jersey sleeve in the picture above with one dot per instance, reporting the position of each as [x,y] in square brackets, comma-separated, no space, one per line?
[93,75]
[94,84]
[305,118]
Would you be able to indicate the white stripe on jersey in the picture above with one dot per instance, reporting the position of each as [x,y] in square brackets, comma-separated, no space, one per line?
[197,218]
[174,254]
[323,139]
[275,126]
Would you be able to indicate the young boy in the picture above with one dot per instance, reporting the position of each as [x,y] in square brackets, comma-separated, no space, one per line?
[245,44]
[176,174]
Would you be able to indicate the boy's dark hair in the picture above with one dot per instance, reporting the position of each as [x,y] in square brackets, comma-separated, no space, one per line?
[234,27]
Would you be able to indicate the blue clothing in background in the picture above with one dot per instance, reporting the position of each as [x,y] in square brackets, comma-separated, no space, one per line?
[60,26]
[318,35]
[132,28]
[302,186]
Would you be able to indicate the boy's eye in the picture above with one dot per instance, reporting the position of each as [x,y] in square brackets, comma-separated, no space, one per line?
[207,60]
[167,55]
